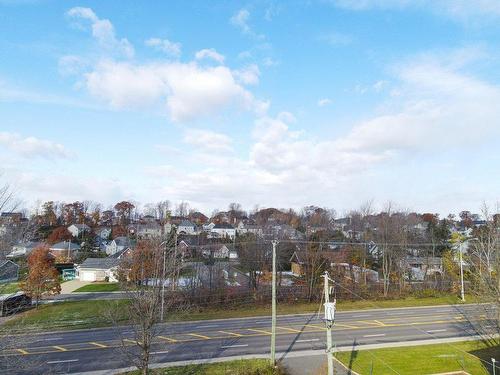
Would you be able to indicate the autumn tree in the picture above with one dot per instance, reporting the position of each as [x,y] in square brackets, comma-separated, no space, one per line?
[124,211]
[43,277]
[59,234]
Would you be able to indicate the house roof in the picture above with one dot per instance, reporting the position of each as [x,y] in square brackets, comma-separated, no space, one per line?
[80,226]
[100,263]
[186,223]
[301,256]
[64,245]
[223,226]
[122,241]
[5,262]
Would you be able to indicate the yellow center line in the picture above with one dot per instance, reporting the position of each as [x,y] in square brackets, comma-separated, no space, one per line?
[22,351]
[132,341]
[259,331]
[345,325]
[290,329]
[313,326]
[60,348]
[231,333]
[167,338]
[200,336]
[99,345]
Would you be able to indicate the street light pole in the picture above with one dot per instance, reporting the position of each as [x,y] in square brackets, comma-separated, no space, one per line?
[273,312]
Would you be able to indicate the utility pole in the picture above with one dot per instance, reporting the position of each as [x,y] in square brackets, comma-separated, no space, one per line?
[163,281]
[462,293]
[273,316]
[329,319]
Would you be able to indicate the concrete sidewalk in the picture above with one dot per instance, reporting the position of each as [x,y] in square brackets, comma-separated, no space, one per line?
[312,365]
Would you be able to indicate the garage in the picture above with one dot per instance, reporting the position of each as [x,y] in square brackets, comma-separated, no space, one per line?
[87,275]
[99,269]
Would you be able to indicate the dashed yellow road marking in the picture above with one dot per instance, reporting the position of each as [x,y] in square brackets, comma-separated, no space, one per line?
[132,341]
[290,329]
[259,331]
[200,336]
[313,326]
[60,348]
[99,345]
[345,325]
[231,333]
[22,351]
[167,338]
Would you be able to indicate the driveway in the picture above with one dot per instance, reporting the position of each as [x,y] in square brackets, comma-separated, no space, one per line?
[72,285]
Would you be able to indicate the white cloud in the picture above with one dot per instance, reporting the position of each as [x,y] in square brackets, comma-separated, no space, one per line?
[189,90]
[33,147]
[72,65]
[103,31]
[209,53]
[240,20]
[324,102]
[165,45]
[208,141]
[440,110]
[248,75]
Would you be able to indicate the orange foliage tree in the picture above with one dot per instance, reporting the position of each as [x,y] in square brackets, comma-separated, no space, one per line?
[43,277]
[59,234]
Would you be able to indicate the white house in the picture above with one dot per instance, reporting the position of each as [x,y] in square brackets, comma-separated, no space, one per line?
[78,229]
[149,230]
[22,249]
[99,269]
[186,227]
[223,230]
[118,244]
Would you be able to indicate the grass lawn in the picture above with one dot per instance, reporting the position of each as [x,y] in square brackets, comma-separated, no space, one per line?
[424,359]
[8,288]
[85,314]
[99,287]
[68,315]
[242,367]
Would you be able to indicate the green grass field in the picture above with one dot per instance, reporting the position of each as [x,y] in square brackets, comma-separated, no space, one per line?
[470,356]
[242,367]
[99,287]
[8,288]
[69,315]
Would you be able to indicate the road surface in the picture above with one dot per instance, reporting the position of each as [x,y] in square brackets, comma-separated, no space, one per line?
[101,349]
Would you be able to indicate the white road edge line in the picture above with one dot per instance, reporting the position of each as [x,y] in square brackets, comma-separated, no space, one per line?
[436,330]
[209,326]
[360,316]
[234,346]
[62,361]
[375,335]
[162,352]
[307,340]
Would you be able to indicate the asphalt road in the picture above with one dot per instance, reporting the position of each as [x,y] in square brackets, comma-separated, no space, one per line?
[100,349]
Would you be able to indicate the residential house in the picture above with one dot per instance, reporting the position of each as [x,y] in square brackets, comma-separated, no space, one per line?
[64,249]
[78,230]
[104,233]
[420,268]
[99,269]
[118,244]
[350,271]
[186,227]
[150,229]
[223,230]
[301,259]
[22,249]
[9,271]
[11,217]
[243,228]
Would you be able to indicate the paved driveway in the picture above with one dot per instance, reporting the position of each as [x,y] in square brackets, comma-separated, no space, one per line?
[72,285]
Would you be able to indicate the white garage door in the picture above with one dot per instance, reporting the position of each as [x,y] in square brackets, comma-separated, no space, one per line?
[87,275]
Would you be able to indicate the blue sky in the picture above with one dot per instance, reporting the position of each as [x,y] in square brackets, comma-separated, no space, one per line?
[262,102]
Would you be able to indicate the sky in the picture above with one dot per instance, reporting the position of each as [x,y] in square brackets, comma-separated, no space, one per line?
[270,103]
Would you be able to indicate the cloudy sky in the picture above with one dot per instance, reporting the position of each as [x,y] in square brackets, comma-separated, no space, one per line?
[275,103]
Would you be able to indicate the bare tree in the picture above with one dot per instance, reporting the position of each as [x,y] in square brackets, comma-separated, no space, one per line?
[152,266]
